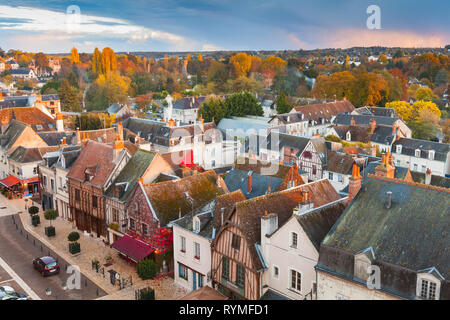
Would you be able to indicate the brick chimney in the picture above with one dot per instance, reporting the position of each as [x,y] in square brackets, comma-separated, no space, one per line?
[249,182]
[428,176]
[354,183]
[118,146]
[386,168]
[373,125]
[120,130]
[59,122]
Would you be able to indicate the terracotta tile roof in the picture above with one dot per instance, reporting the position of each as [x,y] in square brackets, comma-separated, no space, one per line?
[101,135]
[169,197]
[95,158]
[204,293]
[248,213]
[35,118]
[325,110]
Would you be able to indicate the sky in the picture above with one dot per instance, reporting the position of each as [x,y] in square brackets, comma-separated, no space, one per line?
[55,26]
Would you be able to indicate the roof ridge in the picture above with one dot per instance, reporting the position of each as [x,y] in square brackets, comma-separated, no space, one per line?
[414,184]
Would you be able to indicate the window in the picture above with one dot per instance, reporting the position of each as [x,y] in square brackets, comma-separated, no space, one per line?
[424,168]
[398,162]
[132,225]
[417,153]
[314,171]
[415,167]
[240,276]
[115,215]
[35,170]
[428,290]
[296,281]
[431,155]
[144,229]
[340,178]
[330,176]
[183,244]
[77,194]
[200,280]
[196,225]
[196,250]
[276,272]
[307,155]
[225,268]
[52,184]
[45,180]
[294,240]
[60,182]
[94,202]
[399,148]
[236,242]
[183,271]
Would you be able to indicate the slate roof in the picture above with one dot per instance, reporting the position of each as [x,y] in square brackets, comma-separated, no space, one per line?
[189,103]
[339,162]
[70,155]
[318,222]
[238,180]
[383,135]
[286,140]
[20,71]
[12,133]
[325,110]
[53,138]
[249,212]
[361,134]
[345,119]
[133,170]
[409,145]
[167,198]
[26,155]
[411,235]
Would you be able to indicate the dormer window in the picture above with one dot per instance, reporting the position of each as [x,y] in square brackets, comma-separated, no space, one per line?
[417,153]
[431,155]
[196,224]
[428,284]
[399,148]
[363,261]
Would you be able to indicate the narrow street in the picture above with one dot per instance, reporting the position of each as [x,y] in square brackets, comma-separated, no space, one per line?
[17,251]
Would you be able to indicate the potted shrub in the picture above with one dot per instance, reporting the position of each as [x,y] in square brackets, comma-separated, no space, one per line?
[50,215]
[147,269]
[95,264]
[35,219]
[74,246]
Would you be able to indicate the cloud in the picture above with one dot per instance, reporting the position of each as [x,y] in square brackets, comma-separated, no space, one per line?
[211,47]
[29,19]
[346,38]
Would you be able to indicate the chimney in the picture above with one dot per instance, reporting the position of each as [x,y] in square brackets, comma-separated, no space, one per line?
[428,176]
[386,168]
[171,123]
[249,182]
[353,122]
[59,122]
[354,183]
[202,123]
[222,213]
[118,146]
[388,202]
[120,130]
[373,125]
[269,224]
[78,136]
[305,205]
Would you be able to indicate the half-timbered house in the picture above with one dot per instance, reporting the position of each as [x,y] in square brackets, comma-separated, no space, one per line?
[237,260]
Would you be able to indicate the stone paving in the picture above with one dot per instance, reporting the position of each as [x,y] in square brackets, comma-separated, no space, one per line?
[93,248]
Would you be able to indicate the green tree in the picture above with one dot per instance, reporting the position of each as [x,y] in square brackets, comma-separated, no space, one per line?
[441,77]
[242,104]
[213,108]
[282,105]
[50,215]
[147,269]
[69,100]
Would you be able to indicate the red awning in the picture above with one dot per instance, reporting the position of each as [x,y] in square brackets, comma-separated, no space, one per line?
[134,249]
[32,180]
[10,181]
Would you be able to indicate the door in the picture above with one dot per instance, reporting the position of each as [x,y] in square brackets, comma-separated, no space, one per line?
[194,280]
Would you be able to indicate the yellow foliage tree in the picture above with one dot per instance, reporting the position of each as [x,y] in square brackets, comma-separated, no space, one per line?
[200,57]
[74,57]
[109,60]
[403,109]
[241,63]
[274,64]
[426,110]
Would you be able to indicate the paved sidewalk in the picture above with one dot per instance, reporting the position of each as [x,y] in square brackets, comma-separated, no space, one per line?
[93,248]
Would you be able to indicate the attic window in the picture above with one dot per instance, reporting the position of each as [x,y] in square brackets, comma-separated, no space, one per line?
[399,148]
[431,155]
[417,153]
[39,127]
[196,224]
[428,285]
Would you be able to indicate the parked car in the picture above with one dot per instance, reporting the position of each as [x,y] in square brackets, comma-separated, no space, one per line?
[9,291]
[46,266]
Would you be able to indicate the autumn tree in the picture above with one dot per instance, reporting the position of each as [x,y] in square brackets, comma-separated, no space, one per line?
[274,64]
[425,94]
[403,109]
[41,60]
[109,60]
[241,63]
[97,61]
[200,57]
[74,56]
